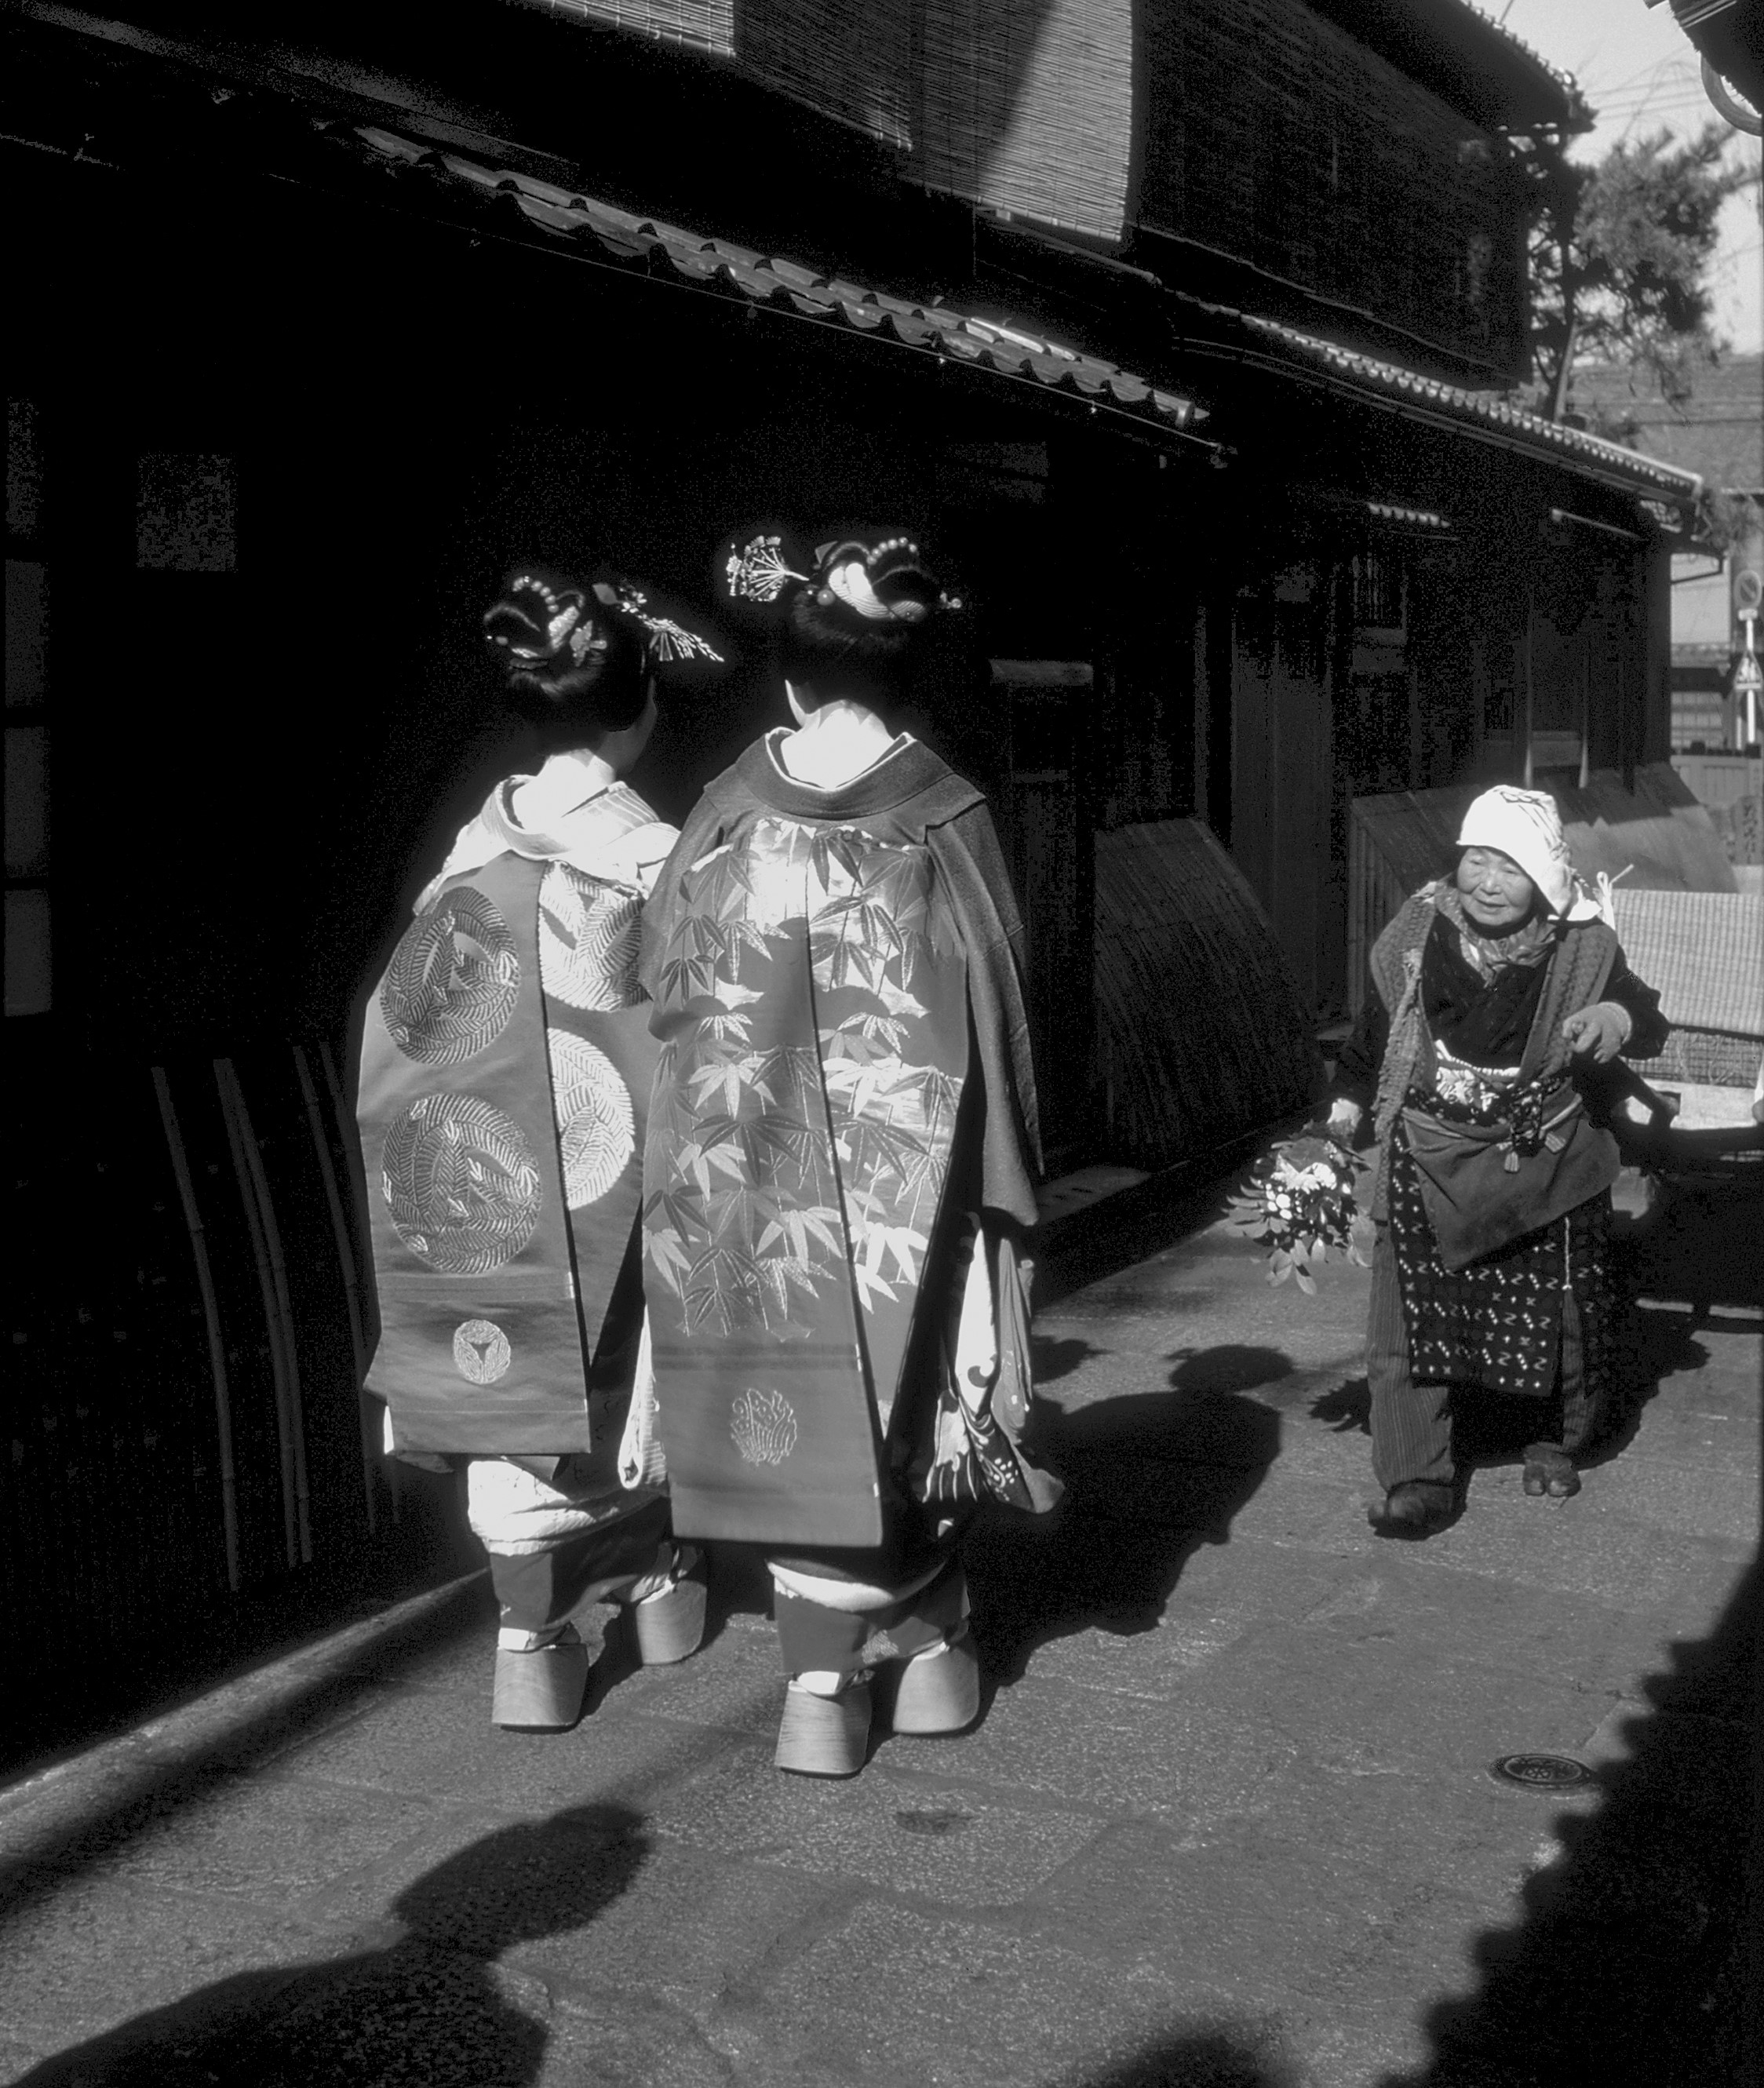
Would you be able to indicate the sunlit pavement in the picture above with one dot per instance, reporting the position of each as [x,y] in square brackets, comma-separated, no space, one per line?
[1227,1817]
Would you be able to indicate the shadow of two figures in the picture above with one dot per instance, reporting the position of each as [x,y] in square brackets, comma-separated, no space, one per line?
[431,2008]
[1152,1477]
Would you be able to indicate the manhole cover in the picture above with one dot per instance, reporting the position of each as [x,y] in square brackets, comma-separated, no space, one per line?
[1541,1771]
[931,1822]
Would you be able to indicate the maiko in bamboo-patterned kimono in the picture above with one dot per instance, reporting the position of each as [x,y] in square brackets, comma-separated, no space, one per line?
[843,1088]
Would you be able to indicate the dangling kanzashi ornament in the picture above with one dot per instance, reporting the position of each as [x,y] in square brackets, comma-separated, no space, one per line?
[757,571]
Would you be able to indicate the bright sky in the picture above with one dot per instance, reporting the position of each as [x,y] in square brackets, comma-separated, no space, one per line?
[1639,70]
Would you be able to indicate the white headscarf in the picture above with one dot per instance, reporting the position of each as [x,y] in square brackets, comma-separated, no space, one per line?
[1525,825]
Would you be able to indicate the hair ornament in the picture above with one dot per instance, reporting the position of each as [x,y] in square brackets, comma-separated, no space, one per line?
[757,570]
[584,639]
[534,619]
[850,583]
[668,641]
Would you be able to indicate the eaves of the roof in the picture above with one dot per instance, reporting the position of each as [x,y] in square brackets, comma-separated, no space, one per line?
[1486,414]
[647,244]
[1470,59]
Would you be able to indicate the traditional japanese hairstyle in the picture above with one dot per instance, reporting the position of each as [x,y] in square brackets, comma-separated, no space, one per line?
[582,656]
[861,604]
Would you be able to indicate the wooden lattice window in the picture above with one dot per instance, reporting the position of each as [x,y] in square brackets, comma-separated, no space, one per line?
[1380,594]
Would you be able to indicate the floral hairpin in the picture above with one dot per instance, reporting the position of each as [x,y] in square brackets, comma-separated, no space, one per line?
[756,571]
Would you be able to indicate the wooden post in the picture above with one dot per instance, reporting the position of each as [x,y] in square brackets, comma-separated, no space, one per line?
[1202,719]
[351,1287]
[285,1310]
[334,1088]
[1530,691]
[272,1326]
[210,1313]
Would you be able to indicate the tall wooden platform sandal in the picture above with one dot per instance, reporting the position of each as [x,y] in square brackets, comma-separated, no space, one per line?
[669,1624]
[540,1691]
[1549,1471]
[824,1732]
[937,1690]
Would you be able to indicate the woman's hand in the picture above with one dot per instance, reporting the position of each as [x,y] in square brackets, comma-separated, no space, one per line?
[1597,1033]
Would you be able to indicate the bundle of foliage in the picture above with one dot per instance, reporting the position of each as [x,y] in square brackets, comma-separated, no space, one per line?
[1619,256]
[1300,1200]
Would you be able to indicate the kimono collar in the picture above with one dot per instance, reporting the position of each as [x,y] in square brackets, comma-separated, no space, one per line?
[922,789]
[1490,955]
[613,836]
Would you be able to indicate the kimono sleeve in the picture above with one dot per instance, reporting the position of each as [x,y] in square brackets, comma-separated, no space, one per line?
[973,863]
[661,912]
[1649,1029]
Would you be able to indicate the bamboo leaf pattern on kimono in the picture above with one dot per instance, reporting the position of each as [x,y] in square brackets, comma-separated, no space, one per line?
[795,1164]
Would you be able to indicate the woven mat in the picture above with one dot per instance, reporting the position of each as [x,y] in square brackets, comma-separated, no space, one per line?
[1704,951]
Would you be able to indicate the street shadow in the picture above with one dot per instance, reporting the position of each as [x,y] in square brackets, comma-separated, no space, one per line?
[1697,1244]
[1202,2058]
[1638,1962]
[1344,1408]
[428,2008]
[1150,1476]
[1056,1356]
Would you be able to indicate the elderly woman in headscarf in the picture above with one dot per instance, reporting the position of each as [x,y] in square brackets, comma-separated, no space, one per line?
[840,1169]
[1485,1058]
[504,1075]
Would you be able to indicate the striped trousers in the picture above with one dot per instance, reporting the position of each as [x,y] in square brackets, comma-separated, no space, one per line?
[1411,1422]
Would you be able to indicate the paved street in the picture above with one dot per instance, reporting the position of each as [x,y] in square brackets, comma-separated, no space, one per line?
[1227,1817]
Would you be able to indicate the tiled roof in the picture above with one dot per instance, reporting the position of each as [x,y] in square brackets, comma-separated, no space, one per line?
[645,242]
[1717,432]
[1496,26]
[1574,446]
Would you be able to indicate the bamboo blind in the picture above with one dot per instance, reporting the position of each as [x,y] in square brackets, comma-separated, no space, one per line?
[1022,108]
[1272,134]
[1029,109]
[708,24]
[852,63]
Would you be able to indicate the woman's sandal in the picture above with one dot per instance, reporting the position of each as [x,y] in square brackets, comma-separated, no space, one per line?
[669,1624]
[1413,1509]
[1550,1470]
[824,1735]
[937,1690]
[540,1692]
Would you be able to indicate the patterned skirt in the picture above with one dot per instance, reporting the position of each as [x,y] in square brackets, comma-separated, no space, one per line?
[1498,1324]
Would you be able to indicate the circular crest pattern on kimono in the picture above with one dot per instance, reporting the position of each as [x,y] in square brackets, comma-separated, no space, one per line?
[481,1351]
[453,981]
[460,1182]
[597,1130]
[763,1426]
[588,936]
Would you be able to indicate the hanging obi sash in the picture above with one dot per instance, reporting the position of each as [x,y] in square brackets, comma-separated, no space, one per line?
[505,1078]
[812,1003]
